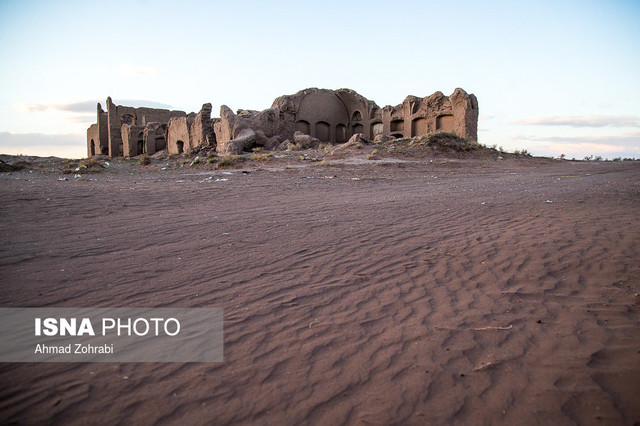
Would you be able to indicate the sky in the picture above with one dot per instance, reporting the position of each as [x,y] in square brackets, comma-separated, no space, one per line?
[552,77]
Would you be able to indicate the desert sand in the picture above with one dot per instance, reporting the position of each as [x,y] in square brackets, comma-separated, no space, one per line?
[427,291]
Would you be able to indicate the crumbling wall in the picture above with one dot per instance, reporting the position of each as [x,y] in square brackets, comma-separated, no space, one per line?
[363,114]
[332,116]
[114,127]
[319,114]
[191,132]
[178,140]
[154,137]
[132,140]
[465,112]
[240,132]
[201,130]
[145,115]
[93,140]
[416,116]
[110,128]
[224,128]
[103,130]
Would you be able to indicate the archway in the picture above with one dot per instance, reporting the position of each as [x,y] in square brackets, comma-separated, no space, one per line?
[127,119]
[418,127]
[444,123]
[180,146]
[303,126]
[323,131]
[376,129]
[397,126]
[161,141]
[341,133]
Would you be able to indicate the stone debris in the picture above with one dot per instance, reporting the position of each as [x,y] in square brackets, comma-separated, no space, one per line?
[382,138]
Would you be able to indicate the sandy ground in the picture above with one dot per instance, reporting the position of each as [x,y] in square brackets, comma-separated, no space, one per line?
[444,292]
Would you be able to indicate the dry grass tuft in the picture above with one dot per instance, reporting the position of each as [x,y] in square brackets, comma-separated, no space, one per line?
[226,161]
[256,156]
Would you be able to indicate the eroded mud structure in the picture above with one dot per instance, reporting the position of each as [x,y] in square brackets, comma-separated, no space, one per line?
[309,117]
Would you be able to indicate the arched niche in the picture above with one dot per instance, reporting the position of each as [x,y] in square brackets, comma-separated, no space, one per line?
[397,126]
[376,129]
[418,127]
[303,126]
[444,123]
[161,140]
[323,131]
[341,133]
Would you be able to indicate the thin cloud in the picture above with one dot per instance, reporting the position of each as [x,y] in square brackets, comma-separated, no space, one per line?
[15,140]
[83,107]
[33,107]
[141,103]
[78,107]
[628,140]
[581,149]
[627,145]
[583,121]
[85,119]
[87,107]
[591,147]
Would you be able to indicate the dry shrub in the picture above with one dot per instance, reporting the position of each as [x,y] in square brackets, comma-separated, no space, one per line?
[256,156]
[227,161]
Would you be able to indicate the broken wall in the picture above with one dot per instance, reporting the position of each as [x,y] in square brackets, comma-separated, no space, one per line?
[103,130]
[178,140]
[93,140]
[143,115]
[111,122]
[332,116]
[235,133]
[154,137]
[201,130]
[416,116]
[132,140]
[191,132]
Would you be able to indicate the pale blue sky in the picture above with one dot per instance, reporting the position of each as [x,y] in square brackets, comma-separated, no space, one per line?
[550,76]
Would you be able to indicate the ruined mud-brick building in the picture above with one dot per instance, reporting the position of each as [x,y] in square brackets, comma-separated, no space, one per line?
[328,116]
[128,131]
